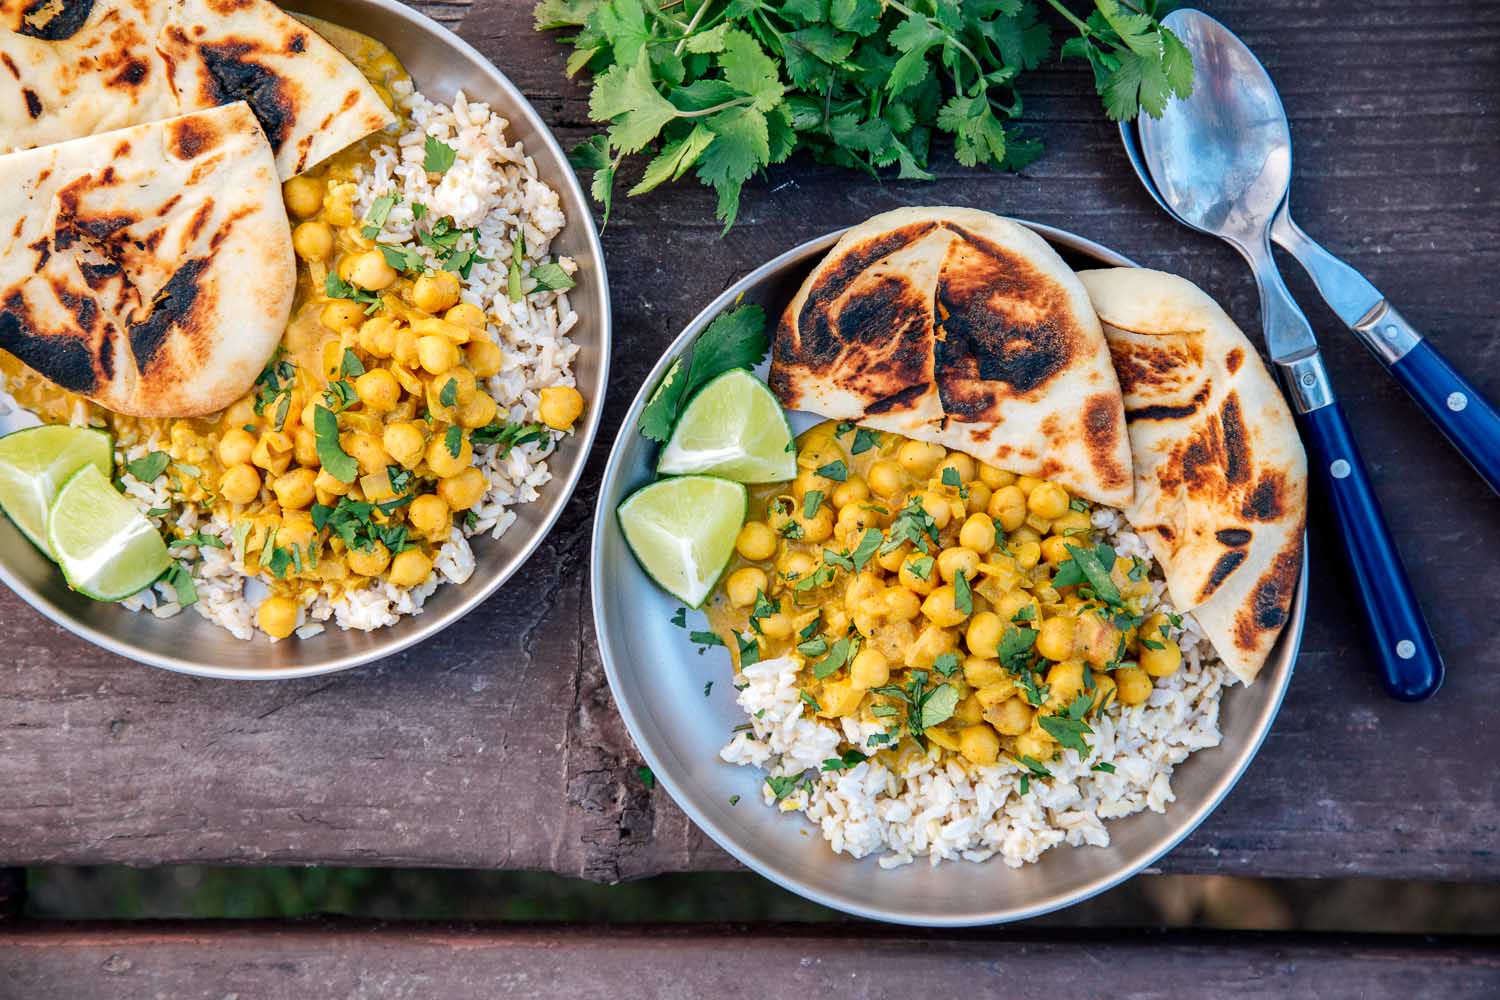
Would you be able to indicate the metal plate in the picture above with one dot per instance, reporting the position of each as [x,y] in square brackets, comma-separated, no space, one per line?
[440,63]
[657,678]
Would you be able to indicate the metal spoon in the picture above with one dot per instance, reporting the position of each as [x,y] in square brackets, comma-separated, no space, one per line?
[1221,162]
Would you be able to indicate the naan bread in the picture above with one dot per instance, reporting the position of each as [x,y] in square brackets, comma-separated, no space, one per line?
[150,268]
[70,68]
[1220,475]
[962,328]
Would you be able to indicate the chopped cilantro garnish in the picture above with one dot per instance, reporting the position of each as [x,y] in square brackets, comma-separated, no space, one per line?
[705,638]
[438,156]
[551,278]
[840,653]
[149,467]
[453,440]
[963,596]
[643,772]
[337,461]
[864,440]
[835,470]
[811,503]
[864,551]
[337,288]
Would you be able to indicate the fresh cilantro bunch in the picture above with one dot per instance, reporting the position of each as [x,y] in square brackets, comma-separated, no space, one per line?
[724,88]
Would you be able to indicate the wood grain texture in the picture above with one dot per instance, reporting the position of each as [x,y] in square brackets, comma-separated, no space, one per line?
[496,744]
[356,961]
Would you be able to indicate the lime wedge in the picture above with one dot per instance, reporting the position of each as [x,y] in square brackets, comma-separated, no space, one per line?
[734,428]
[36,461]
[105,546]
[682,531]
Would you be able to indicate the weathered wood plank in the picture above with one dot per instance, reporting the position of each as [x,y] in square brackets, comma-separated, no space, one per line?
[497,745]
[354,961]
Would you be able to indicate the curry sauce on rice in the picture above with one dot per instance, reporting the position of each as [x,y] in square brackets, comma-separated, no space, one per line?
[422,379]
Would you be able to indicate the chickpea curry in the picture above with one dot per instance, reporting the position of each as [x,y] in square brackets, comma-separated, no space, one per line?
[353,454]
[949,602]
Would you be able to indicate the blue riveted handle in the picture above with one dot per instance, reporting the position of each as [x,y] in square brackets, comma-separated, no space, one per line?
[1411,668]
[1458,409]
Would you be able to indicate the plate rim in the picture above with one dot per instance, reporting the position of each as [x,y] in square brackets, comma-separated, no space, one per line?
[429,623]
[1288,645]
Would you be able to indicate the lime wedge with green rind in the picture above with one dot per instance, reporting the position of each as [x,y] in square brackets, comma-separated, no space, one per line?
[682,531]
[35,462]
[733,427]
[106,547]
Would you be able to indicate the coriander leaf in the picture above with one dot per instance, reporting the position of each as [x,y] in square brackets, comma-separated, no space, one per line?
[330,453]
[181,579]
[741,146]
[438,156]
[781,785]
[453,440]
[938,705]
[1094,570]
[735,339]
[149,467]
[950,477]
[660,413]
[705,638]
[869,543]
[748,69]
[1067,731]
[626,97]
[674,160]
[840,653]
[350,366]
[551,277]
[1104,766]
[864,440]
[647,778]
[946,664]
[963,595]
[835,470]
[811,503]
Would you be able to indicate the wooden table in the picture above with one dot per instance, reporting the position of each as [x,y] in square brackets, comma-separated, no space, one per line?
[496,744]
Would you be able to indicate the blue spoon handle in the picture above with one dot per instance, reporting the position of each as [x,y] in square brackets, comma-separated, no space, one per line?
[1467,419]
[1411,668]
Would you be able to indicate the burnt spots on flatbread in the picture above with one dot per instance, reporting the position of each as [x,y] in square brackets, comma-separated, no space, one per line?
[10,64]
[1101,433]
[818,343]
[130,75]
[883,332]
[1237,461]
[297,43]
[54,20]
[235,77]
[1223,567]
[897,400]
[227,7]
[187,138]
[83,307]
[96,276]
[1268,500]
[1167,411]
[1271,601]
[66,361]
[1233,360]
[33,102]
[1157,364]
[41,248]
[1235,538]
[173,306]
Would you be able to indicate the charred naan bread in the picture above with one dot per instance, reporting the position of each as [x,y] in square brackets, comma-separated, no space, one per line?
[150,268]
[1220,475]
[962,328]
[70,68]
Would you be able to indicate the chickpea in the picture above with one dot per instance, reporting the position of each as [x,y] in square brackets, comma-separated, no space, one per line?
[463,385]
[919,458]
[982,674]
[1133,685]
[466,315]
[341,315]
[777,626]
[940,607]
[409,568]
[1037,746]
[979,744]
[956,560]
[294,490]
[1025,533]
[977,534]
[961,464]
[404,347]
[478,412]
[436,354]
[559,406]
[797,565]
[464,490]
[1072,523]
[404,442]
[983,636]
[1027,554]
[443,462]
[312,241]
[272,452]
[968,711]
[277,616]
[305,446]
[1054,639]
[1104,691]
[235,446]
[818,528]
[779,514]
[1011,717]
[370,271]
[913,580]
[854,519]
[995,478]
[887,478]
[1054,549]
[240,412]
[936,506]
[326,485]
[1011,603]
[853,490]
[1047,500]
[367,450]
[1008,507]
[979,498]
[371,560]
[1064,682]
[303,196]
[435,291]
[901,605]
[484,356]
[429,514]
[377,337]
[240,483]
[1161,662]
[870,669]
[377,389]
[744,585]
[819,449]
[756,541]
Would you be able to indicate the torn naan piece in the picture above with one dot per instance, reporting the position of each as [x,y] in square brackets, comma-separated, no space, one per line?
[149,269]
[1220,474]
[966,329]
[71,68]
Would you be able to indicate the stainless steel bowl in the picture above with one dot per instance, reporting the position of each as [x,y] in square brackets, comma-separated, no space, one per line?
[658,680]
[440,63]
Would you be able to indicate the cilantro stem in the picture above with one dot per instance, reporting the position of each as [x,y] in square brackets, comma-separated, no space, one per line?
[1083,28]
[900,7]
[738,102]
[691,27]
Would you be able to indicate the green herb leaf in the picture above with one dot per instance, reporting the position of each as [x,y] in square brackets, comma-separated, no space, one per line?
[198,539]
[811,503]
[835,470]
[735,339]
[946,664]
[864,551]
[844,761]
[938,706]
[453,440]
[551,278]
[705,638]
[438,156]
[644,773]
[330,453]
[840,653]
[963,596]
[181,579]
[149,467]
[864,440]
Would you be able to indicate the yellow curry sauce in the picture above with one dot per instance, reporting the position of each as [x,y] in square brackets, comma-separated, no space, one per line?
[894,568]
[400,379]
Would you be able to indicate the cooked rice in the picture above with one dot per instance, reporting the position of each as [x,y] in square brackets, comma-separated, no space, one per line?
[947,810]
[492,186]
